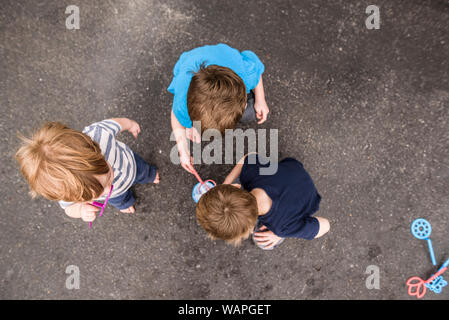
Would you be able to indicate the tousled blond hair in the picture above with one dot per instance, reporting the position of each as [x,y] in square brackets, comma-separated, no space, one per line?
[60,163]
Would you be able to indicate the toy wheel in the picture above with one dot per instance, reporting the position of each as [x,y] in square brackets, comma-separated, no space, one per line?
[421,228]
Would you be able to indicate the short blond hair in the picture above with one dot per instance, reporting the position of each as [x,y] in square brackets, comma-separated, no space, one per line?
[60,163]
[228,213]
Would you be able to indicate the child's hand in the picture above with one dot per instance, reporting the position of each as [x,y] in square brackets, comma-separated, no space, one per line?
[88,212]
[134,128]
[186,161]
[262,110]
[128,125]
[266,238]
[83,210]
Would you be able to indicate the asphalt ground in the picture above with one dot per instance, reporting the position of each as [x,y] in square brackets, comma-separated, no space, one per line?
[365,111]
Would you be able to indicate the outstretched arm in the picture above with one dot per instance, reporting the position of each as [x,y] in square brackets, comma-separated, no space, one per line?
[128,125]
[269,239]
[260,105]
[181,141]
[235,172]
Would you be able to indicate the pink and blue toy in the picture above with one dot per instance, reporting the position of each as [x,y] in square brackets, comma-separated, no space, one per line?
[201,187]
[417,286]
[437,284]
[421,229]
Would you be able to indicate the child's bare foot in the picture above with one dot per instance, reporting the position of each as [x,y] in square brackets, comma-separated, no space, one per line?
[157,180]
[129,210]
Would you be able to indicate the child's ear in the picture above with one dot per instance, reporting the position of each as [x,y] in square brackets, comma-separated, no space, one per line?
[237,185]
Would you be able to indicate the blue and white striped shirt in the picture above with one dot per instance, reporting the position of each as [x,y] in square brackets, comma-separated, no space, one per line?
[116,153]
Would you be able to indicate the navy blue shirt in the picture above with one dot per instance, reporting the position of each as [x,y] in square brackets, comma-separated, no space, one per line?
[293,194]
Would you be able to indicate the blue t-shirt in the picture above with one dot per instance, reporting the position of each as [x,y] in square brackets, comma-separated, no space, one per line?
[245,64]
[293,194]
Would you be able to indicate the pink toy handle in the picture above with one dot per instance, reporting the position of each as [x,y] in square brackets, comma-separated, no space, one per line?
[211,181]
[197,176]
[101,205]
[436,275]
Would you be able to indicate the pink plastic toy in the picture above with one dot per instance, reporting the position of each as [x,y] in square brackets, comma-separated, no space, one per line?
[202,187]
[101,205]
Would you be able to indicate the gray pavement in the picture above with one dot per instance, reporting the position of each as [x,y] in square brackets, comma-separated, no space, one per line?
[366,111]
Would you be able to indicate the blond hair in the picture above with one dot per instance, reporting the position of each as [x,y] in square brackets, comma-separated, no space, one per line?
[60,163]
[228,213]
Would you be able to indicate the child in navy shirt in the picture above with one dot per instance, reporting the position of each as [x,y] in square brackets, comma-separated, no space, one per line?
[271,207]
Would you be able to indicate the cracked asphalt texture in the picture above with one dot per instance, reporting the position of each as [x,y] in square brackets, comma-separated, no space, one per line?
[366,111]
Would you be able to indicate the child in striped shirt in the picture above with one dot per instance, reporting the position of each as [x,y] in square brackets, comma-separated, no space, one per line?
[76,168]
